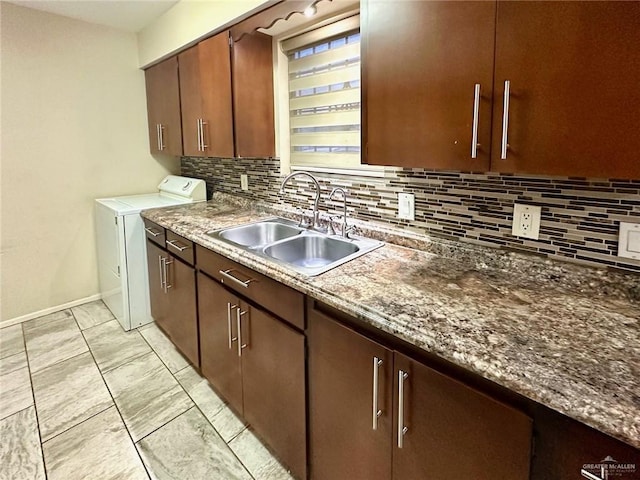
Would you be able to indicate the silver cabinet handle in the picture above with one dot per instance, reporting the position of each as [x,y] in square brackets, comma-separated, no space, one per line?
[241,345]
[177,247]
[158,136]
[198,132]
[227,274]
[202,124]
[161,136]
[376,412]
[231,337]
[152,232]
[505,119]
[161,261]
[166,264]
[402,430]
[476,114]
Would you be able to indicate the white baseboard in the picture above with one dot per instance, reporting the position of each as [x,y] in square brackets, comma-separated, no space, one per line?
[47,311]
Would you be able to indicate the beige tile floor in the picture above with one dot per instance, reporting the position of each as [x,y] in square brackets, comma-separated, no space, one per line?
[82,399]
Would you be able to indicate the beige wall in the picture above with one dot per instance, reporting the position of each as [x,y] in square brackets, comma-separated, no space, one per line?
[73,129]
[188,21]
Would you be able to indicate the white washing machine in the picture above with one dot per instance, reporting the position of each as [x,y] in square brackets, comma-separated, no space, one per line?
[122,251]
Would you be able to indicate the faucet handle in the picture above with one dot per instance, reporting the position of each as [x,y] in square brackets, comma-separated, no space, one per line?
[303,218]
[350,229]
[332,218]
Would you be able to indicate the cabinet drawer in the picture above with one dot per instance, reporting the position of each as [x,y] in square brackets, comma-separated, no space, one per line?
[279,299]
[180,247]
[155,232]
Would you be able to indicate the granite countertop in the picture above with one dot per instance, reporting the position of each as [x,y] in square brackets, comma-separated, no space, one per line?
[560,334]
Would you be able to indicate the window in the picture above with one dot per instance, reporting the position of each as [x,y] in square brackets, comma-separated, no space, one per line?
[318,98]
[323,83]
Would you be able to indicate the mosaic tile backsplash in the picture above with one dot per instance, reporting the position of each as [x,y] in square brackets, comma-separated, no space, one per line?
[580,217]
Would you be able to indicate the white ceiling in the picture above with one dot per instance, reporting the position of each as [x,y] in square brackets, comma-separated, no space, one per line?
[128,15]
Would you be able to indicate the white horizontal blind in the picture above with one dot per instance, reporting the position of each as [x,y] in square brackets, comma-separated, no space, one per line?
[324,99]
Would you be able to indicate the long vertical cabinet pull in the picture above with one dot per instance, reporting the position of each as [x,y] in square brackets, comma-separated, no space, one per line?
[158,136]
[202,124]
[505,119]
[402,430]
[161,133]
[166,264]
[199,133]
[476,114]
[161,261]
[229,327]
[239,314]
[376,412]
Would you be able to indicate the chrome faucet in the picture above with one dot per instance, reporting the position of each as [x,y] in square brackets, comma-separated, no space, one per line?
[344,229]
[314,220]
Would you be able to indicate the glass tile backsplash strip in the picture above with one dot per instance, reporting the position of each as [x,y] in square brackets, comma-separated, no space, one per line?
[580,216]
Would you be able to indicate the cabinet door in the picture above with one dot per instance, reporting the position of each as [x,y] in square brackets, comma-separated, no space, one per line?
[219,360]
[215,88]
[182,321]
[421,63]
[253,96]
[157,296]
[190,101]
[273,375]
[163,107]
[343,441]
[454,431]
[574,71]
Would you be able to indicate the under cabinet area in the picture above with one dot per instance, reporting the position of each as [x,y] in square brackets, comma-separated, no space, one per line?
[526,87]
[377,414]
[172,289]
[163,108]
[254,359]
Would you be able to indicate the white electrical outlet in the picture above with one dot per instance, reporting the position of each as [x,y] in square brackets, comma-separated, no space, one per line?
[406,206]
[526,221]
[629,240]
[244,182]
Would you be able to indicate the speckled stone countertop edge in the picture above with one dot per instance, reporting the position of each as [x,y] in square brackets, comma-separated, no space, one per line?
[244,213]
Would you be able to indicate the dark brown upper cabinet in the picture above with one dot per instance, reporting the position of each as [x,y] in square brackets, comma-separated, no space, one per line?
[253,96]
[574,74]
[163,107]
[564,96]
[205,95]
[422,64]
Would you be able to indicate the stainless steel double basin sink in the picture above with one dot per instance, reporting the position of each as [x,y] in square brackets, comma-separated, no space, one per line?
[305,251]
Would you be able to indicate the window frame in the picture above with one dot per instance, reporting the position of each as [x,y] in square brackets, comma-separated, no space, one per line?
[281,98]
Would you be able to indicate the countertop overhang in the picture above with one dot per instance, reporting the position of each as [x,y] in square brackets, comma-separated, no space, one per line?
[563,335]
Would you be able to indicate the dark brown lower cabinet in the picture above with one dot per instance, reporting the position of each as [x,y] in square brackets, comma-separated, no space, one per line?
[454,431]
[172,291]
[273,384]
[220,363]
[256,362]
[343,443]
[157,297]
[437,429]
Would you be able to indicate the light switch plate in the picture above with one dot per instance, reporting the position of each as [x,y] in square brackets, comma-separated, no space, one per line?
[526,221]
[629,240]
[244,182]
[406,206]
